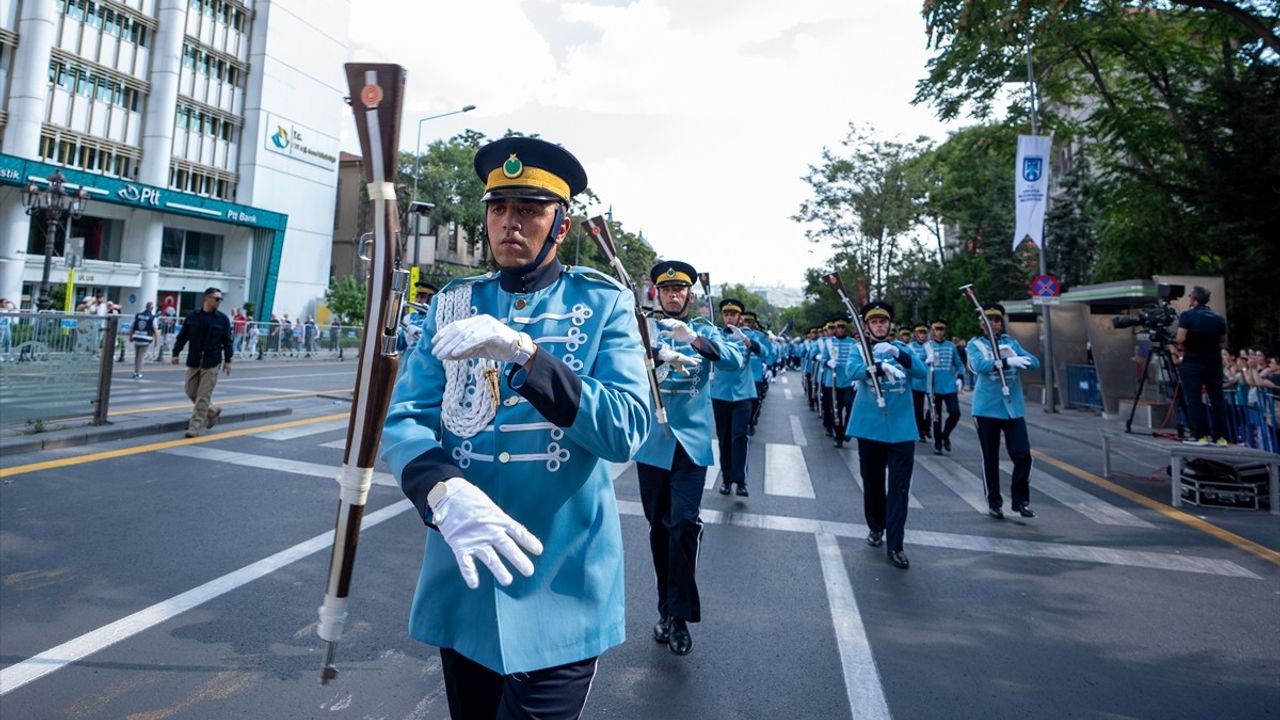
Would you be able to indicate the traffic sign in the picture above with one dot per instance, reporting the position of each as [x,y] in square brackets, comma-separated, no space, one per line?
[1045,286]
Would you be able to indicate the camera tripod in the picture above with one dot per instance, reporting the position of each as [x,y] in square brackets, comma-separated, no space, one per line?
[1168,383]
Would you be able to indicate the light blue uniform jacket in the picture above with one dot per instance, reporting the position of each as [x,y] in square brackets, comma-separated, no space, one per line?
[946,366]
[759,359]
[824,350]
[689,416]
[845,349]
[732,380]
[920,384]
[896,421]
[988,394]
[551,477]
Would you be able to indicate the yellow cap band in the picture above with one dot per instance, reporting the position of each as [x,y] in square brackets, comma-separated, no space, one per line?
[877,313]
[993,313]
[529,177]
[731,308]
[674,275]
[921,327]
[939,326]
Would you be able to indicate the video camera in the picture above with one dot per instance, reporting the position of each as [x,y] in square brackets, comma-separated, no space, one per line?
[1155,319]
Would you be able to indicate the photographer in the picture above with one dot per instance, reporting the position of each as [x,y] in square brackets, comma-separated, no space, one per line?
[1201,332]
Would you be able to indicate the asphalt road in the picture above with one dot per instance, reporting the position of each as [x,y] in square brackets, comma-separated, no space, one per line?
[184,584]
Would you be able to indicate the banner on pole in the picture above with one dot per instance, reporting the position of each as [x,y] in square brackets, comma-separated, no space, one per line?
[1031,188]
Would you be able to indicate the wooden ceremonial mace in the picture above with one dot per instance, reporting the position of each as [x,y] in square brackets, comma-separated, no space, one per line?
[991,335]
[377,92]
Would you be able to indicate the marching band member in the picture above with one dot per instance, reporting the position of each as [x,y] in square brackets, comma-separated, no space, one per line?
[948,371]
[732,390]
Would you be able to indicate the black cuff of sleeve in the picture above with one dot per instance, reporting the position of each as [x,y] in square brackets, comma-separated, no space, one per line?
[710,352]
[422,474]
[904,359]
[550,386]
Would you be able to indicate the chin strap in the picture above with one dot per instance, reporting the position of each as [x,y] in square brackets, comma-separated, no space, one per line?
[546,245]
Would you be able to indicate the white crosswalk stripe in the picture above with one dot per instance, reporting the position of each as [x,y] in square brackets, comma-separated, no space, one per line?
[266,462]
[964,483]
[714,470]
[851,462]
[797,432]
[294,433]
[786,393]
[1097,510]
[785,471]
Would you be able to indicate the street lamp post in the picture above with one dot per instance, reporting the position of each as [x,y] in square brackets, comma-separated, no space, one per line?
[914,288]
[417,149]
[55,203]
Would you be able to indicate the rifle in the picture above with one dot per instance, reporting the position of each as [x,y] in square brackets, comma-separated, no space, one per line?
[864,340]
[928,383]
[377,91]
[704,279]
[991,336]
[599,231]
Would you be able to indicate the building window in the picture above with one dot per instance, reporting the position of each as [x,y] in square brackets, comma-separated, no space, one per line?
[191,250]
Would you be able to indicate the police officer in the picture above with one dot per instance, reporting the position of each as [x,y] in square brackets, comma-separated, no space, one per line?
[526,383]
[944,364]
[732,390]
[886,436]
[672,464]
[995,414]
[1201,332]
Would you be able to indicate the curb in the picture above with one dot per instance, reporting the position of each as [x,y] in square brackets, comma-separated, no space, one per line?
[89,434]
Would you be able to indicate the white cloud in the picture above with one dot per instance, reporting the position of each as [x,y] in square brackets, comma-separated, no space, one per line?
[694,120]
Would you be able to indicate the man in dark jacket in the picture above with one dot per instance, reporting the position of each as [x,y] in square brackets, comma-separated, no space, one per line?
[209,332]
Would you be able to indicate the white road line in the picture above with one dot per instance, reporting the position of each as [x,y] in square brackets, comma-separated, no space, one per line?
[266,462]
[340,443]
[1096,509]
[784,381]
[785,472]
[714,470]
[964,483]
[616,469]
[976,543]
[861,679]
[797,432]
[34,668]
[786,392]
[255,378]
[294,433]
[851,462]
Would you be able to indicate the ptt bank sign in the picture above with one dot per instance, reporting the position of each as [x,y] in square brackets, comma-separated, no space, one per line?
[286,137]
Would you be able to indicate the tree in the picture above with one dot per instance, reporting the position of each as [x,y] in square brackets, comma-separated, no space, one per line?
[447,178]
[347,298]
[862,204]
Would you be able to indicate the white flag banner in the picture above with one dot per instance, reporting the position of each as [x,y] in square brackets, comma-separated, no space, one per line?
[1031,188]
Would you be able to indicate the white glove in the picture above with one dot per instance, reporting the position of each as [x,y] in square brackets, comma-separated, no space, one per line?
[892,372]
[1018,362]
[476,528]
[677,330]
[680,362]
[1007,351]
[831,363]
[885,348]
[412,333]
[482,336]
[959,385]
[768,375]
[736,333]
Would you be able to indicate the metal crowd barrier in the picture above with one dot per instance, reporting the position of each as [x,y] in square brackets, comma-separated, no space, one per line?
[1083,391]
[1253,418]
[280,341]
[52,366]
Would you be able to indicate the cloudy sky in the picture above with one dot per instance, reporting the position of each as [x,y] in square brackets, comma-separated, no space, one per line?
[695,119]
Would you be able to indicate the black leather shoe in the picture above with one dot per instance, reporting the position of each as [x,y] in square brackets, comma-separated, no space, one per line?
[724,488]
[946,444]
[662,630]
[1024,510]
[996,513]
[839,443]
[742,490]
[751,430]
[875,538]
[937,448]
[681,641]
[898,559]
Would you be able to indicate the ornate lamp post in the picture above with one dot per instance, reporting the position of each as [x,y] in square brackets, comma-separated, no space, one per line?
[55,203]
[913,289]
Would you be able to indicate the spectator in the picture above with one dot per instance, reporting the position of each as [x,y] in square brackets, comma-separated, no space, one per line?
[142,333]
[251,337]
[335,335]
[6,334]
[237,328]
[311,332]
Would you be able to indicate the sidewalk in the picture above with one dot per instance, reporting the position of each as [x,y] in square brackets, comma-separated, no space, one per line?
[17,439]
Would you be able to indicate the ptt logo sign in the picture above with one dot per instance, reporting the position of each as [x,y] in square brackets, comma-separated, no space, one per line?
[280,138]
[141,196]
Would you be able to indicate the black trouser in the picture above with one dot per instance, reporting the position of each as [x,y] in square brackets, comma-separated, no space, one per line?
[844,406]
[943,432]
[827,398]
[762,389]
[808,388]
[1209,376]
[731,432]
[671,499]
[886,513]
[918,400]
[1019,448]
[477,693]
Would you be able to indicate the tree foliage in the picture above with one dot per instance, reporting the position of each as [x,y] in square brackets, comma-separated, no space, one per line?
[347,297]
